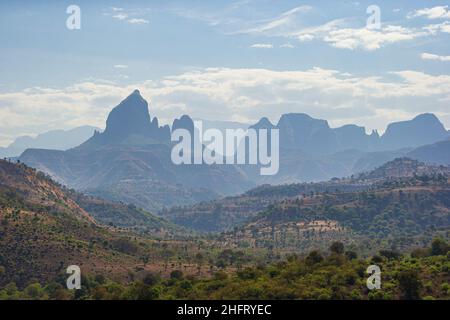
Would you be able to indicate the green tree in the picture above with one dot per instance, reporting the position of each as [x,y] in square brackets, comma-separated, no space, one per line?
[314,257]
[176,274]
[439,247]
[151,279]
[409,284]
[337,247]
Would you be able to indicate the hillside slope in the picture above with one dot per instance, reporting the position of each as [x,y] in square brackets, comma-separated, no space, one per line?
[231,212]
[43,230]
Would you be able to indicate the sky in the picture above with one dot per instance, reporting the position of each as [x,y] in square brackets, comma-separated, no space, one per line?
[223,60]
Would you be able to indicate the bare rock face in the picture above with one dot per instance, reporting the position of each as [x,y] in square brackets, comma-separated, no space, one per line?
[130,123]
[423,129]
[131,116]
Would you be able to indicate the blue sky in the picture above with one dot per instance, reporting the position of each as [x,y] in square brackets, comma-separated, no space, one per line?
[225,60]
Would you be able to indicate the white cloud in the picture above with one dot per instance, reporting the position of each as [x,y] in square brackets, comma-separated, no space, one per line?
[287,45]
[438,12]
[235,94]
[430,56]
[370,39]
[286,20]
[132,16]
[120,66]
[288,25]
[440,27]
[337,33]
[262,46]
[344,33]
[305,37]
[138,21]
[120,16]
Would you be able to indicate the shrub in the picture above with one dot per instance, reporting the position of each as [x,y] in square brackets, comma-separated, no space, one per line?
[337,247]
[176,274]
[314,257]
[439,247]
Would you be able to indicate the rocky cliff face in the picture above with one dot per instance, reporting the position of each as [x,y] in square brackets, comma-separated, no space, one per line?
[423,129]
[130,123]
[131,116]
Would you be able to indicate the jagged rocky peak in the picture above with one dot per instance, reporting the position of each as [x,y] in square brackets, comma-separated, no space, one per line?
[155,122]
[264,123]
[131,116]
[185,122]
[130,123]
[375,134]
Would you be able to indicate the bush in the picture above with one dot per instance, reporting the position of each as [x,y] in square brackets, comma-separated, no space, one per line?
[151,279]
[176,275]
[125,246]
[420,253]
[390,254]
[247,274]
[377,259]
[409,284]
[220,275]
[140,291]
[337,247]
[314,257]
[351,255]
[439,247]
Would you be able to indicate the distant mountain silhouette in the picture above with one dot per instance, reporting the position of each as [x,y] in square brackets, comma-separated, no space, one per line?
[185,122]
[130,116]
[299,131]
[56,139]
[264,123]
[310,150]
[130,161]
[354,137]
[129,123]
[423,129]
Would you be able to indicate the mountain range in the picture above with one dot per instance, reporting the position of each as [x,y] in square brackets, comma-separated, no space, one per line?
[55,140]
[130,160]
[301,132]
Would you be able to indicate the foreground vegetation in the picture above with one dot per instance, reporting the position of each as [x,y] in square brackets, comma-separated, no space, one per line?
[336,274]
